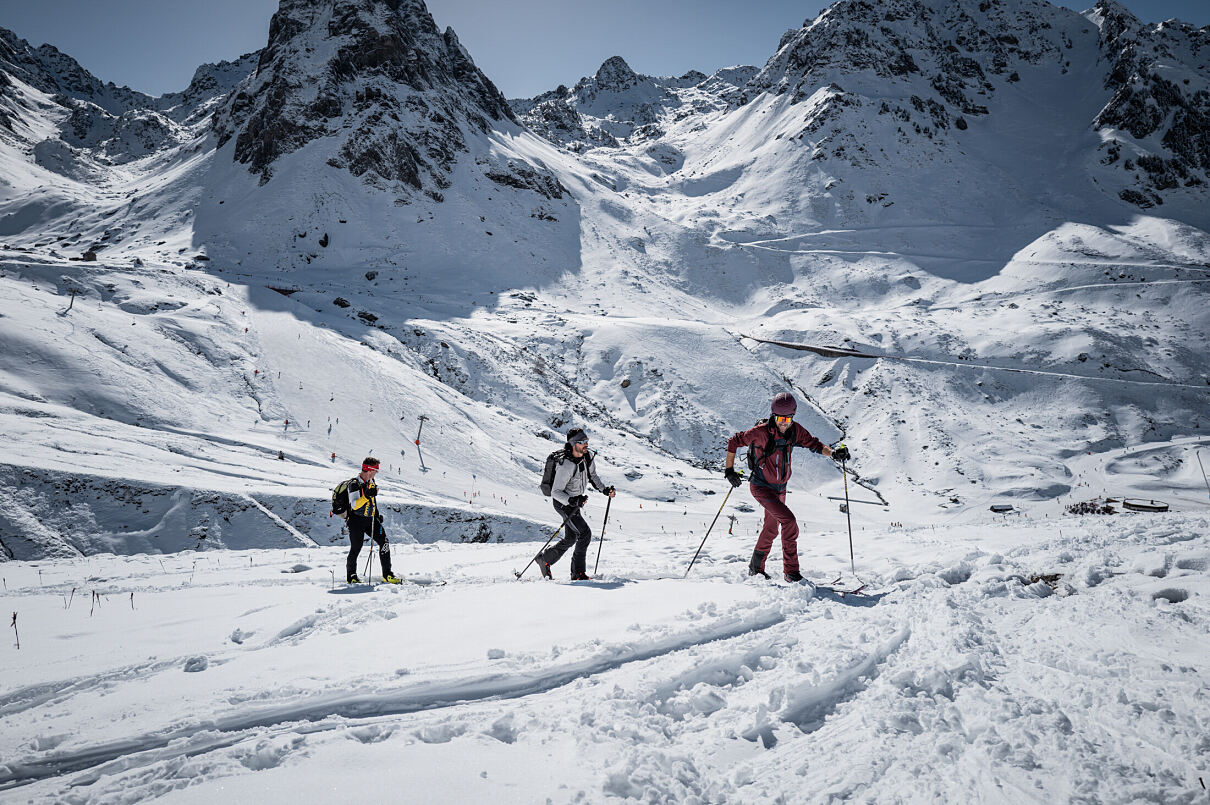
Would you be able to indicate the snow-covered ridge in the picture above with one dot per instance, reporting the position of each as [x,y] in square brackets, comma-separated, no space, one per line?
[616,104]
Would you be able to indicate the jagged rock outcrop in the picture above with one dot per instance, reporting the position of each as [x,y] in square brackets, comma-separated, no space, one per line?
[119,138]
[105,121]
[47,69]
[560,122]
[1160,79]
[956,46]
[396,93]
[210,83]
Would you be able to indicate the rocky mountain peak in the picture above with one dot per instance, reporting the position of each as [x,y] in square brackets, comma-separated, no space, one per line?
[1113,18]
[617,105]
[376,74]
[615,75]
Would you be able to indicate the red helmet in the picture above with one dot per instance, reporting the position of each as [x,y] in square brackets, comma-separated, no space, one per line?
[784,404]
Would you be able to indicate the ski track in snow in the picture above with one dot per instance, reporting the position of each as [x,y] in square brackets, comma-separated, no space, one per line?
[957,674]
[359,705]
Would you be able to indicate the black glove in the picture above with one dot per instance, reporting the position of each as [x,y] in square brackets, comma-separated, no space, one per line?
[609,490]
[734,477]
[841,454]
[370,491]
[581,501]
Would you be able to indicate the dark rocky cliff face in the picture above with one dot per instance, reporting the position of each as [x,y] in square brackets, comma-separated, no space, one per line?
[1160,79]
[956,46]
[397,94]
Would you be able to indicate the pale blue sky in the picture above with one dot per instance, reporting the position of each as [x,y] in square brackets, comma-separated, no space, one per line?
[524,46]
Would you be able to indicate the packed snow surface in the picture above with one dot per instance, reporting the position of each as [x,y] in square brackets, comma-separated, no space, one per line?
[1054,661]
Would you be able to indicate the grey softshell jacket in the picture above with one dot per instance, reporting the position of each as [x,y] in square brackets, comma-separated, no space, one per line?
[572,478]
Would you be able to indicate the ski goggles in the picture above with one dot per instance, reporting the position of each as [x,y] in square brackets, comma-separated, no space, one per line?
[579,438]
[783,420]
[369,468]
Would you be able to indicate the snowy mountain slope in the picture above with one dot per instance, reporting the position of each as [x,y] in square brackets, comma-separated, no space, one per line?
[362,201]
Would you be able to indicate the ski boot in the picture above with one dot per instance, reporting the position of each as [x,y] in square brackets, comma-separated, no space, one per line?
[581,576]
[352,579]
[793,576]
[756,567]
[391,578]
[543,566]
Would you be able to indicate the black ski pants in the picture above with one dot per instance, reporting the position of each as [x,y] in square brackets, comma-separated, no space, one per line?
[358,528]
[575,532]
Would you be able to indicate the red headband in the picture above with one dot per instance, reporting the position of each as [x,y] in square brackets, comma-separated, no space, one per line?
[368,467]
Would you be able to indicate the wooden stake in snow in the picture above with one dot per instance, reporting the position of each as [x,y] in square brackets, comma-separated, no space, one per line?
[18,634]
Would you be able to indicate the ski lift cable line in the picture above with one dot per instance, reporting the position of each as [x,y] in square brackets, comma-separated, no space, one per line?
[840,352]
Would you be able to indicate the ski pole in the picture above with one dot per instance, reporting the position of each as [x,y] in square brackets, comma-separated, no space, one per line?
[1199,463]
[848,516]
[539,553]
[708,530]
[602,540]
[370,558]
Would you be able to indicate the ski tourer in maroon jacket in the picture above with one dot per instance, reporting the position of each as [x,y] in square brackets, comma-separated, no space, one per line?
[773,449]
[771,444]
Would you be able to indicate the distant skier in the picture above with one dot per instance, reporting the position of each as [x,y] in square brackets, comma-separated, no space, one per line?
[573,471]
[773,440]
[363,518]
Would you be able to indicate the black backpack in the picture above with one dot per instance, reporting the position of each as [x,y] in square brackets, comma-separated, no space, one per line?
[752,458]
[769,447]
[548,472]
[340,499]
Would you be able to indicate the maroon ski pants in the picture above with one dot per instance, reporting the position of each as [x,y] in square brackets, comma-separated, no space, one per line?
[777,514]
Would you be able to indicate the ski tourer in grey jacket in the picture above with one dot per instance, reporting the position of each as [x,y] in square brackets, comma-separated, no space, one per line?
[572,477]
